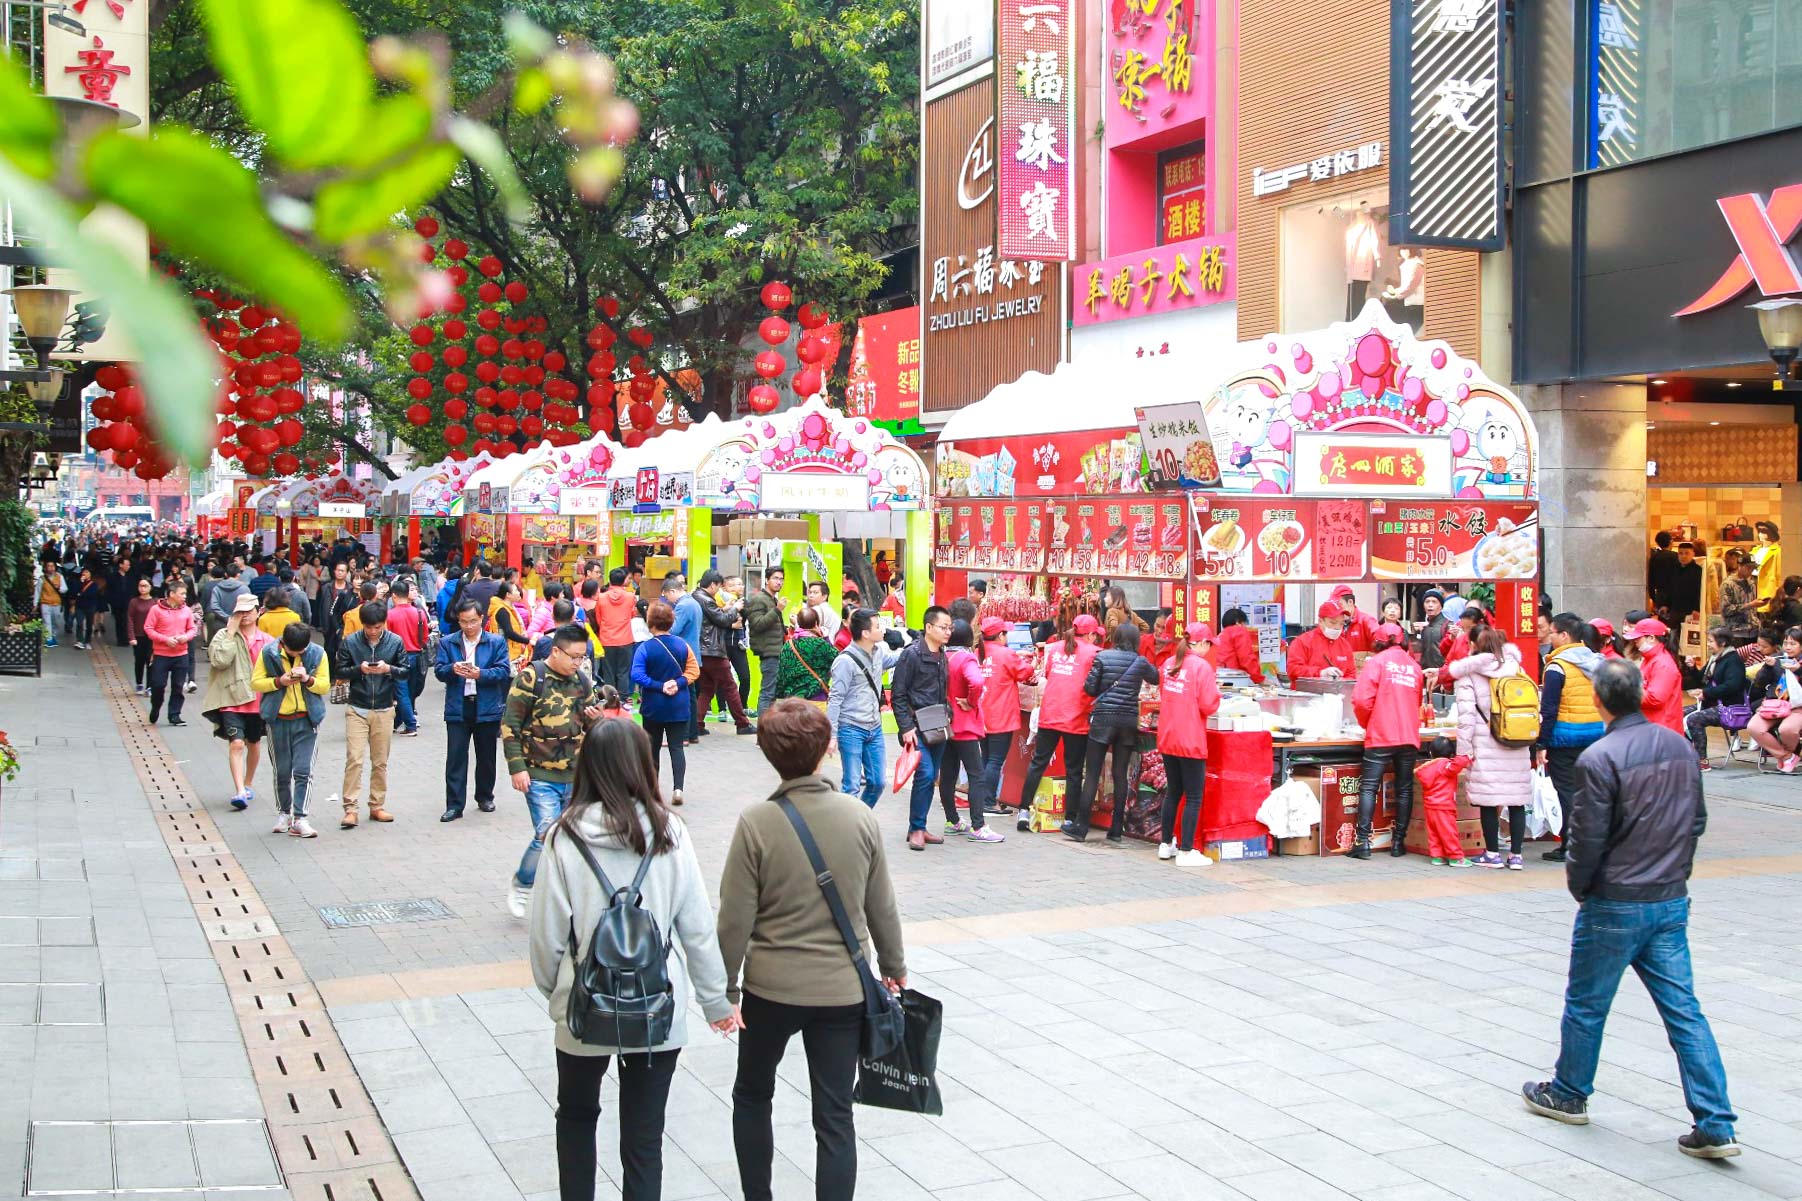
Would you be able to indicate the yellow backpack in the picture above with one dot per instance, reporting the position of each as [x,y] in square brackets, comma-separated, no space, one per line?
[1514,710]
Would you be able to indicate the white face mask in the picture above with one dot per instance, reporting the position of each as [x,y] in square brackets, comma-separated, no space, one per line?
[1332,633]
[1646,645]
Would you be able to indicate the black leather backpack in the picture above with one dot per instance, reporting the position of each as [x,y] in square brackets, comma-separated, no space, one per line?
[622,996]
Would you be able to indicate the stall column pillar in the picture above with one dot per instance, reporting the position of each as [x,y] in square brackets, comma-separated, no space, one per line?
[615,553]
[387,541]
[1592,482]
[516,529]
[414,550]
[917,554]
[700,543]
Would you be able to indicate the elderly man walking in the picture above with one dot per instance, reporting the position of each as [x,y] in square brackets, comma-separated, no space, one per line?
[1637,815]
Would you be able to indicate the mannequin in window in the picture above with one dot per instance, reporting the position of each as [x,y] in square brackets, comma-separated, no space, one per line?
[1360,259]
[1410,289]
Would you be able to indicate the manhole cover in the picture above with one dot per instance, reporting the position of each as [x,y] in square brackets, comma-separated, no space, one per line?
[384,913]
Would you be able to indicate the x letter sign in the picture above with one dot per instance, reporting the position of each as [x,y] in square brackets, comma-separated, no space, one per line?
[1763,229]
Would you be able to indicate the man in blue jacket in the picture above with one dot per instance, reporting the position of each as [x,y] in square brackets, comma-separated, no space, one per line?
[447,620]
[472,666]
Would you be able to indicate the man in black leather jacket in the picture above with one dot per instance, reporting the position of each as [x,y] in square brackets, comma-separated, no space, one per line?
[1115,677]
[1634,823]
[373,661]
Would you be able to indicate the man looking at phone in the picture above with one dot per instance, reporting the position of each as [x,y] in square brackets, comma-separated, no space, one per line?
[374,660]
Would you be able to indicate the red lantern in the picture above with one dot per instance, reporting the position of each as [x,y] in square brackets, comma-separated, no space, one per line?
[426,227]
[516,292]
[811,316]
[456,410]
[642,388]
[554,361]
[511,375]
[601,393]
[763,399]
[288,431]
[807,382]
[454,330]
[632,439]
[770,363]
[288,400]
[489,266]
[455,249]
[486,397]
[251,317]
[455,382]
[640,337]
[483,422]
[285,464]
[459,275]
[489,293]
[268,374]
[608,306]
[420,361]
[488,345]
[455,435]
[418,414]
[419,388]
[488,371]
[532,426]
[506,425]
[112,377]
[642,416]
[422,335]
[777,296]
[488,319]
[811,351]
[773,330]
[530,400]
[427,253]
[513,348]
[455,356]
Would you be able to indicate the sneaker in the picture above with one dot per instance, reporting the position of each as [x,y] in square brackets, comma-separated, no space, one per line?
[1439,861]
[282,823]
[1023,822]
[1460,861]
[50,643]
[142,691]
[1573,1111]
[192,687]
[412,733]
[1705,765]
[1706,1146]
[302,828]
[745,730]
[519,899]
[960,826]
[241,801]
[1515,864]
[177,722]
[984,834]
[1555,855]
[1193,858]
[675,798]
[1789,764]
[1166,850]
[1488,859]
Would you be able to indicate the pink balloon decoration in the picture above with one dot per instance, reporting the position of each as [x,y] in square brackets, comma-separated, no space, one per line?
[1463,392]
[1438,357]
[1330,385]
[1412,388]
[1460,443]
[1304,362]
[768,456]
[1373,353]
[859,459]
[1468,493]
[1302,406]
[753,472]
[1436,414]
[1371,386]
[875,475]
[1279,435]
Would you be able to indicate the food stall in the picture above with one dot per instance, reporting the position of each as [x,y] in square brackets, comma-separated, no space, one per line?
[537,526]
[1357,454]
[279,508]
[434,503]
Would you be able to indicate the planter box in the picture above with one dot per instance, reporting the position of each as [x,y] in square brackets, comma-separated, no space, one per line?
[22,654]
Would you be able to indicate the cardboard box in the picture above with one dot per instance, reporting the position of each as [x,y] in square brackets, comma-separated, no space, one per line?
[1337,787]
[1232,850]
[1306,844]
[1470,834]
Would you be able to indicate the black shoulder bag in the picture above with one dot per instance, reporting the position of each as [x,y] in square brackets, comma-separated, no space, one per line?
[883,1022]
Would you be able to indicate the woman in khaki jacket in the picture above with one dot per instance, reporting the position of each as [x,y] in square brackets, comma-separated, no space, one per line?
[797,974]
[230,703]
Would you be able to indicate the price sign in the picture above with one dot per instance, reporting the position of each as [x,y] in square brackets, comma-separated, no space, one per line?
[1254,539]
[1455,540]
[1179,452]
[1341,536]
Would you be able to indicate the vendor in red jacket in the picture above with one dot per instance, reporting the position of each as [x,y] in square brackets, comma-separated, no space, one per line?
[1663,703]
[1387,704]
[1605,628]
[1188,696]
[1455,645]
[1237,647]
[1323,652]
[1360,628]
[1063,710]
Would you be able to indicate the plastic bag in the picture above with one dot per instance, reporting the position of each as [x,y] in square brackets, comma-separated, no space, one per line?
[907,1077]
[905,763]
[1546,814]
[1291,810]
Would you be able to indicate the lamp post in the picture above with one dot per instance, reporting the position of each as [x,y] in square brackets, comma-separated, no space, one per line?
[42,309]
[1780,323]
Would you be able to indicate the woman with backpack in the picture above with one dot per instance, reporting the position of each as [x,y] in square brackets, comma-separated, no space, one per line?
[1500,776]
[619,871]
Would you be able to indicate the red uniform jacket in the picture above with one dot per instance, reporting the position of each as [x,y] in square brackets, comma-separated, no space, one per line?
[1663,704]
[1004,672]
[1314,652]
[1361,629]
[1187,703]
[1237,647]
[1387,698]
[1065,706]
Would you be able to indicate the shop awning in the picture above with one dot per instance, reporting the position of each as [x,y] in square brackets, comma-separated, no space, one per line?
[1093,394]
[809,459]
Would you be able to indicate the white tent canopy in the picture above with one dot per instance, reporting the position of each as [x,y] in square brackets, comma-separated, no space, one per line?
[1091,394]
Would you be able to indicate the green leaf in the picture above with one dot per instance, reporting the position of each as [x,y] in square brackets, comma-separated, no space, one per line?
[27,122]
[300,71]
[203,204]
[174,364]
[531,92]
[486,150]
[396,123]
[353,206]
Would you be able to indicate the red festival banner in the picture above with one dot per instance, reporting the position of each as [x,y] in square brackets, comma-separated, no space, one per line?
[1454,540]
[1036,148]
[885,367]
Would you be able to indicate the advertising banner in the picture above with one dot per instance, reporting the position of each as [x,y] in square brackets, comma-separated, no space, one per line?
[1037,148]
[1159,279]
[1177,446]
[1454,540]
[1091,462]
[995,535]
[1252,538]
[1445,123]
[1117,537]
[885,367]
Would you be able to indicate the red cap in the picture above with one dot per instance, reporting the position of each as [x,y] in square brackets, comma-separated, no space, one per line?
[1604,627]
[1199,631]
[1344,590]
[1651,627]
[992,626]
[1086,625]
[1330,609]
[1389,632]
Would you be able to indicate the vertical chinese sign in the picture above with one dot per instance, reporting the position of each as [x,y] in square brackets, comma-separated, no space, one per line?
[1158,76]
[1445,124]
[1035,82]
[1617,83]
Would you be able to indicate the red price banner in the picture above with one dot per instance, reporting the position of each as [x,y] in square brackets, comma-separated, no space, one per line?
[243,522]
[1341,539]
[1249,539]
[1455,540]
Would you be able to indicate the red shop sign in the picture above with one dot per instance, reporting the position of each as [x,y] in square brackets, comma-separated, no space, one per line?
[1247,538]
[1454,540]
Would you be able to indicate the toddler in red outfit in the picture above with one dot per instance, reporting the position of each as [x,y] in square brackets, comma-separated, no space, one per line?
[1437,781]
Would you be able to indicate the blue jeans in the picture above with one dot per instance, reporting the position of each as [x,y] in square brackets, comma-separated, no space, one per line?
[545,802]
[926,777]
[860,751]
[403,695]
[1653,939]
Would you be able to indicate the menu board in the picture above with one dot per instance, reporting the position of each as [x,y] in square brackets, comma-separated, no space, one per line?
[1454,540]
[1177,445]
[546,531]
[1341,539]
[992,535]
[1253,538]
[1121,537]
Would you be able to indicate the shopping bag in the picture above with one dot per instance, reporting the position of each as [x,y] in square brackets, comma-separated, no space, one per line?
[905,763]
[907,1077]
[1546,814]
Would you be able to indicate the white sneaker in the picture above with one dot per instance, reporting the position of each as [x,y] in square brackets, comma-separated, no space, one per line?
[302,828]
[192,686]
[282,823]
[1166,850]
[1193,859]
[518,899]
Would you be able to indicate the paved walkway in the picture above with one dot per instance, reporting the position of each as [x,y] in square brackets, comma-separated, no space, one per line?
[1286,1031]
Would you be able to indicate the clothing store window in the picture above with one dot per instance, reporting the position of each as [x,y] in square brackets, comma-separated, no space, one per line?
[1336,255]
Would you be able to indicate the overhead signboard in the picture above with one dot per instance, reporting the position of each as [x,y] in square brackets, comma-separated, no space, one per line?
[1036,139]
[1445,115]
[960,36]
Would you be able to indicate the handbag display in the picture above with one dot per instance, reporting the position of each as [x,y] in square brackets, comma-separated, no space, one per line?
[883,1022]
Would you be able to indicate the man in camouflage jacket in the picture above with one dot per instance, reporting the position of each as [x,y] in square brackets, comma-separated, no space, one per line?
[549,710]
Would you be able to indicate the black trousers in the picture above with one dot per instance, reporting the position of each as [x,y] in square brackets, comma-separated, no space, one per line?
[1561,766]
[1377,760]
[120,631]
[967,754]
[140,661]
[1184,777]
[1123,741]
[1491,817]
[741,671]
[644,1083]
[830,1036]
[167,673]
[458,735]
[616,668]
[678,754]
[1043,747]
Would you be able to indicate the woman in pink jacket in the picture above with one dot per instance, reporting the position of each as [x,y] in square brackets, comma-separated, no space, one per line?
[1188,697]
[1002,674]
[965,747]
[1063,711]
[1500,777]
[170,626]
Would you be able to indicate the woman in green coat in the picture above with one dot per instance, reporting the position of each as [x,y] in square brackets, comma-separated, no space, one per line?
[805,668]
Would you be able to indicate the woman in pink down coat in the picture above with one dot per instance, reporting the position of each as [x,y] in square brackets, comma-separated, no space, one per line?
[1499,776]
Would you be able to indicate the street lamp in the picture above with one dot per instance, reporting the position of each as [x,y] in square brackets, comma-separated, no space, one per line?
[1780,322]
[42,309]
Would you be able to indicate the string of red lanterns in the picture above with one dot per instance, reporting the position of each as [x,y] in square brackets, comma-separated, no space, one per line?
[775,330]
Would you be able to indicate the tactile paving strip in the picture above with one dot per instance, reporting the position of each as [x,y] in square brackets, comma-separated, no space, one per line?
[328,1140]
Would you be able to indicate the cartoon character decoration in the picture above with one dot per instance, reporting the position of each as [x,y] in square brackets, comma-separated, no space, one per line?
[1368,376]
[585,465]
[808,440]
[902,479]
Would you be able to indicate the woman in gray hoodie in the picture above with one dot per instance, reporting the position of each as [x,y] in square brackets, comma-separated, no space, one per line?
[616,809]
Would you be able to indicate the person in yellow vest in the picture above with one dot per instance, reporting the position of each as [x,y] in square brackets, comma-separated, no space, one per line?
[293,678]
[353,617]
[278,613]
[1568,718]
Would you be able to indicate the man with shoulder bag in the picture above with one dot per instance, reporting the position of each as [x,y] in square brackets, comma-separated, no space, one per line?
[919,694]
[854,706]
